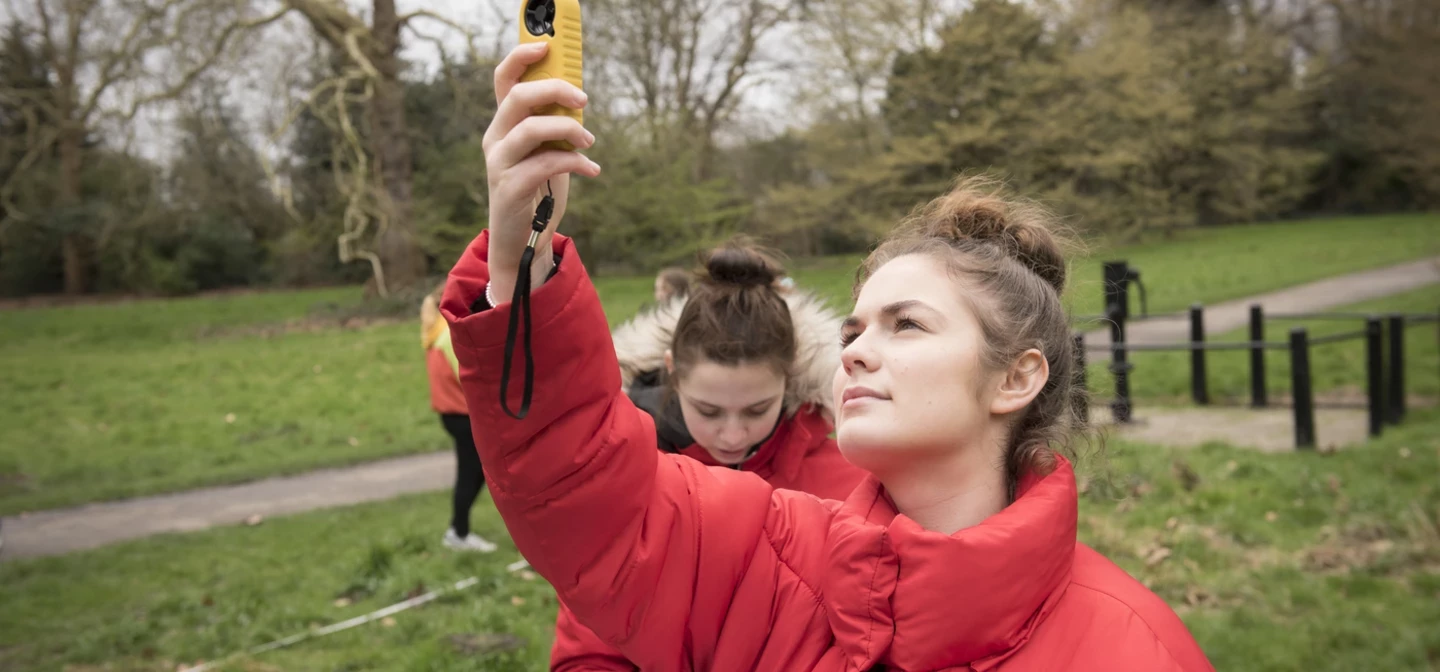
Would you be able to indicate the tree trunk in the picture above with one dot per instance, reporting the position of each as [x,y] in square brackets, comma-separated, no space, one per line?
[74,246]
[397,245]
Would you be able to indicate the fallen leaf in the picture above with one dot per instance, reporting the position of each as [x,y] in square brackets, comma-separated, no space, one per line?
[1271,516]
[354,441]
[343,602]
[1404,453]
[254,520]
[388,622]
[517,600]
[1172,523]
[208,601]
[1157,556]
[1183,473]
[529,575]
[230,418]
[415,592]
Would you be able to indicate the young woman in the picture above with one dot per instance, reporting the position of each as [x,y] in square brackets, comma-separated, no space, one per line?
[448,401]
[734,376]
[958,552]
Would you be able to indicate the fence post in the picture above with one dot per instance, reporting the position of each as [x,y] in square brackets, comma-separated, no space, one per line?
[1120,367]
[1375,373]
[1257,356]
[1198,389]
[1396,393]
[1117,310]
[1300,386]
[1082,403]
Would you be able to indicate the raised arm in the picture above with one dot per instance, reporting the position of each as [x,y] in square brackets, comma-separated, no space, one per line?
[621,531]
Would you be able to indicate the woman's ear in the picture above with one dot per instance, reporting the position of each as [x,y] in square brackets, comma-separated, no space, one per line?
[1021,383]
[669,363]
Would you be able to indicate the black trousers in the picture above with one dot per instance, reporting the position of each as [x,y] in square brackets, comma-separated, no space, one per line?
[469,478]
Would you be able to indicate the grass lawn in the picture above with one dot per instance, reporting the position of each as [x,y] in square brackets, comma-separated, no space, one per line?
[1337,368]
[119,400]
[1275,561]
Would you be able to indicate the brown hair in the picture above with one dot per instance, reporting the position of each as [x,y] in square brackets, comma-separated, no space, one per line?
[430,313]
[675,280]
[1009,251]
[734,315]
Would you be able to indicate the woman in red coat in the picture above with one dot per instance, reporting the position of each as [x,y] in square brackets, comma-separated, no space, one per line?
[955,391]
[734,376]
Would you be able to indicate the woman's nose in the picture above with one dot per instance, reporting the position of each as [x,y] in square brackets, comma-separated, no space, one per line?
[857,355]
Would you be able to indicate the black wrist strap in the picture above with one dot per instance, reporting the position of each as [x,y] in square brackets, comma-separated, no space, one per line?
[520,303]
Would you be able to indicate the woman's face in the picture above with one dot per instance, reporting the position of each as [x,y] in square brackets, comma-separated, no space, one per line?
[662,291]
[729,409]
[911,379]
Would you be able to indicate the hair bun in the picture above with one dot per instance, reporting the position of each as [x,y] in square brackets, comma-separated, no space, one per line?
[977,210]
[741,264]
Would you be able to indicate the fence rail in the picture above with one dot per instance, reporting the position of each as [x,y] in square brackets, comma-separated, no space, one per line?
[1383,336]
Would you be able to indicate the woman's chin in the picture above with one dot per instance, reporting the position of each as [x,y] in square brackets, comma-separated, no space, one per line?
[862,440]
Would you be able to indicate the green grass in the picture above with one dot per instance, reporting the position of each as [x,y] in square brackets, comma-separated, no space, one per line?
[1336,368]
[1298,561]
[1275,561]
[129,399]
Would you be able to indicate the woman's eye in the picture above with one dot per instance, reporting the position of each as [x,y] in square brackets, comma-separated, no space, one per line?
[756,414]
[711,415]
[906,323]
[847,338]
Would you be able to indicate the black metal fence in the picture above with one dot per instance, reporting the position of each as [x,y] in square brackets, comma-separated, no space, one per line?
[1383,337]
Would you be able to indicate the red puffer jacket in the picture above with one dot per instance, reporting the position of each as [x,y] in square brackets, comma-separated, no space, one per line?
[685,567]
[798,456]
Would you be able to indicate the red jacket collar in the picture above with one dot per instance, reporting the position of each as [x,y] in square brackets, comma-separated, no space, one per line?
[784,452]
[918,600]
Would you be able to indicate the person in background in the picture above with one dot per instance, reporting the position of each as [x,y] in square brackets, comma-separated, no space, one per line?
[671,283]
[735,375]
[447,399]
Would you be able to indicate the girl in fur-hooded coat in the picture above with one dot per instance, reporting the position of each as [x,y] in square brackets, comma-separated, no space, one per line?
[797,455]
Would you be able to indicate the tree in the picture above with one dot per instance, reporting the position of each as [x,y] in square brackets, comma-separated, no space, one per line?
[850,45]
[225,216]
[99,51]
[1374,94]
[682,64]
[376,166]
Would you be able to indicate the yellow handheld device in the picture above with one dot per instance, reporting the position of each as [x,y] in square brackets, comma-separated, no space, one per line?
[556,22]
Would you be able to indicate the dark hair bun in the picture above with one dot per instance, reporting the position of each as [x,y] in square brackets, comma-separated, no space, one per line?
[741,264]
[977,210]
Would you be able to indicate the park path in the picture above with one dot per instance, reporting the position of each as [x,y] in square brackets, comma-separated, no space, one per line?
[1311,297]
[67,530]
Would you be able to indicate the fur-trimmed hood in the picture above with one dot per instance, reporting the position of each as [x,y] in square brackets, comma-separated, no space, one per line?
[640,345]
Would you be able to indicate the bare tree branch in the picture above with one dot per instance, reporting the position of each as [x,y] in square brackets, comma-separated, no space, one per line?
[206,62]
[125,53]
